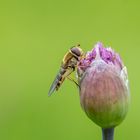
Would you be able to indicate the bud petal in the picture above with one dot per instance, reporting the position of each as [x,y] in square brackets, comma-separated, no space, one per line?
[104,90]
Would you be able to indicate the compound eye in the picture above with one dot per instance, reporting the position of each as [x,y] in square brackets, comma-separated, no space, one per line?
[76,51]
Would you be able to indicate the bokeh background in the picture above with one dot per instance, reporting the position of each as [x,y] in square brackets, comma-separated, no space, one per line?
[34,36]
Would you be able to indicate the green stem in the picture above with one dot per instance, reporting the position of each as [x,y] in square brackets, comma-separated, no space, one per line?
[107,133]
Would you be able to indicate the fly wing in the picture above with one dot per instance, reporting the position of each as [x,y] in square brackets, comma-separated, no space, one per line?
[62,74]
[53,86]
[56,81]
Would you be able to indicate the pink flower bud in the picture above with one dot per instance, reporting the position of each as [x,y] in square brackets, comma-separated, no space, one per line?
[104,89]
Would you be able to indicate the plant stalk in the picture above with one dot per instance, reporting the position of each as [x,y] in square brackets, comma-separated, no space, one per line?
[107,133]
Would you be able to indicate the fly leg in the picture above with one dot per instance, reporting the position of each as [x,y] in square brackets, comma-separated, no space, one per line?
[71,79]
[72,67]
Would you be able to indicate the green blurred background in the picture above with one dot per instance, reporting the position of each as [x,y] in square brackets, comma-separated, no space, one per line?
[34,36]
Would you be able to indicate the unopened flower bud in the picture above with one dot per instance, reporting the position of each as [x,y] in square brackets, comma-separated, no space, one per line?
[104,89]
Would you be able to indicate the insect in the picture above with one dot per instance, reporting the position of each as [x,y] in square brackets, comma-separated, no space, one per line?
[68,65]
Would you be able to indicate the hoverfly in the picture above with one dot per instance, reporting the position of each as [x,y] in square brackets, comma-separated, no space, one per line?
[69,63]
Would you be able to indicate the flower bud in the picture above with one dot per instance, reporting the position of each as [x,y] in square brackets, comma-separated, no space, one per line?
[104,90]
